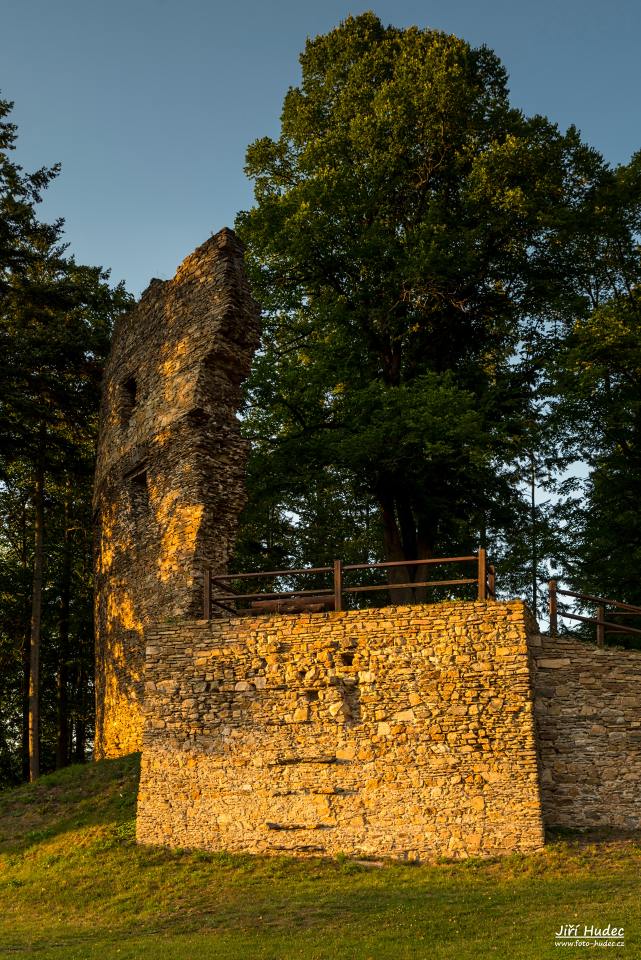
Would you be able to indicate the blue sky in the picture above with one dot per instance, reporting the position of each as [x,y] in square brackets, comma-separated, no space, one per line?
[149,104]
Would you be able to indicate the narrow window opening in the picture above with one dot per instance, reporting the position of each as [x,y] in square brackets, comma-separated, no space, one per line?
[128,400]
[347,659]
[139,490]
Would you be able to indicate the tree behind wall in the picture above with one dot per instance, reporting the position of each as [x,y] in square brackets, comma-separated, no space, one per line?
[597,380]
[406,231]
[55,321]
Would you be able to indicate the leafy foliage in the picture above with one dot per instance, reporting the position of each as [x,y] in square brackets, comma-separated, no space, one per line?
[596,379]
[410,231]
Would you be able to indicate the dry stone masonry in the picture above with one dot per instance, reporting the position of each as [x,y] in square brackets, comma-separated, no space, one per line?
[588,710]
[449,729]
[169,477]
[405,732]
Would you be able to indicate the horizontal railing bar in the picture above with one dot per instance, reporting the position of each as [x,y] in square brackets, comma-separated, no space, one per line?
[346,566]
[224,606]
[624,613]
[618,627]
[405,586]
[223,581]
[600,600]
[270,573]
[291,594]
[406,563]
[216,583]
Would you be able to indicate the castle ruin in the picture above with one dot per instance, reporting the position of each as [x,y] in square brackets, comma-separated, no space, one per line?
[169,475]
[451,729]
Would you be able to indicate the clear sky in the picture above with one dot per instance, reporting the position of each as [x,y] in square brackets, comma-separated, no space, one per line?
[150,104]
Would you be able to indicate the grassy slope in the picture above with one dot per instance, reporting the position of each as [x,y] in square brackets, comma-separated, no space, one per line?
[73,885]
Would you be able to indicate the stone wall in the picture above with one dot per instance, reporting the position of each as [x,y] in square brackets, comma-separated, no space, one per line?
[404,732]
[169,475]
[588,713]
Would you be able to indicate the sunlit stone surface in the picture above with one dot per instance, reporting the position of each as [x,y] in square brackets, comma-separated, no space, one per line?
[169,476]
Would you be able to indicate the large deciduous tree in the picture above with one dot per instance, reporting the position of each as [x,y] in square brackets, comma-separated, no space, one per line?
[410,227]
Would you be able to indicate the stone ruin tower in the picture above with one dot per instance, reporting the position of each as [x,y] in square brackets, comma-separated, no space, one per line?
[169,474]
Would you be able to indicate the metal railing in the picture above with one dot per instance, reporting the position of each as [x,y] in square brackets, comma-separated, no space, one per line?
[602,624]
[332,596]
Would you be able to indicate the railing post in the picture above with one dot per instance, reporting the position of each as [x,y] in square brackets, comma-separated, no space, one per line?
[600,629]
[553,608]
[338,584]
[482,574]
[207,593]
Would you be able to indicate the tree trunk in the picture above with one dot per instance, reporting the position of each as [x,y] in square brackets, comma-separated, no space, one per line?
[85,695]
[26,673]
[394,550]
[535,559]
[26,647]
[425,537]
[415,547]
[62,747]
[81,707]
[402,542]
[36,618]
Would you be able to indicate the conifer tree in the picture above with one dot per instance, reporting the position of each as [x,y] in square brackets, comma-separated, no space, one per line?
[55,322]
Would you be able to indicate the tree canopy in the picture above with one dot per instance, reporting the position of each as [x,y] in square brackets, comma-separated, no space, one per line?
[596,380]
[412,233]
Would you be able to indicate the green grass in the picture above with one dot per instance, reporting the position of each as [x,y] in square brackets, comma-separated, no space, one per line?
[74,885]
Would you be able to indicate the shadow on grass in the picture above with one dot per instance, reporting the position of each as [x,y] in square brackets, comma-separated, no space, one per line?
[587,836]
[82,795]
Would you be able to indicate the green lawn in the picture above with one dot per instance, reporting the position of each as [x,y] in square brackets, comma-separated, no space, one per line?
[73,885]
